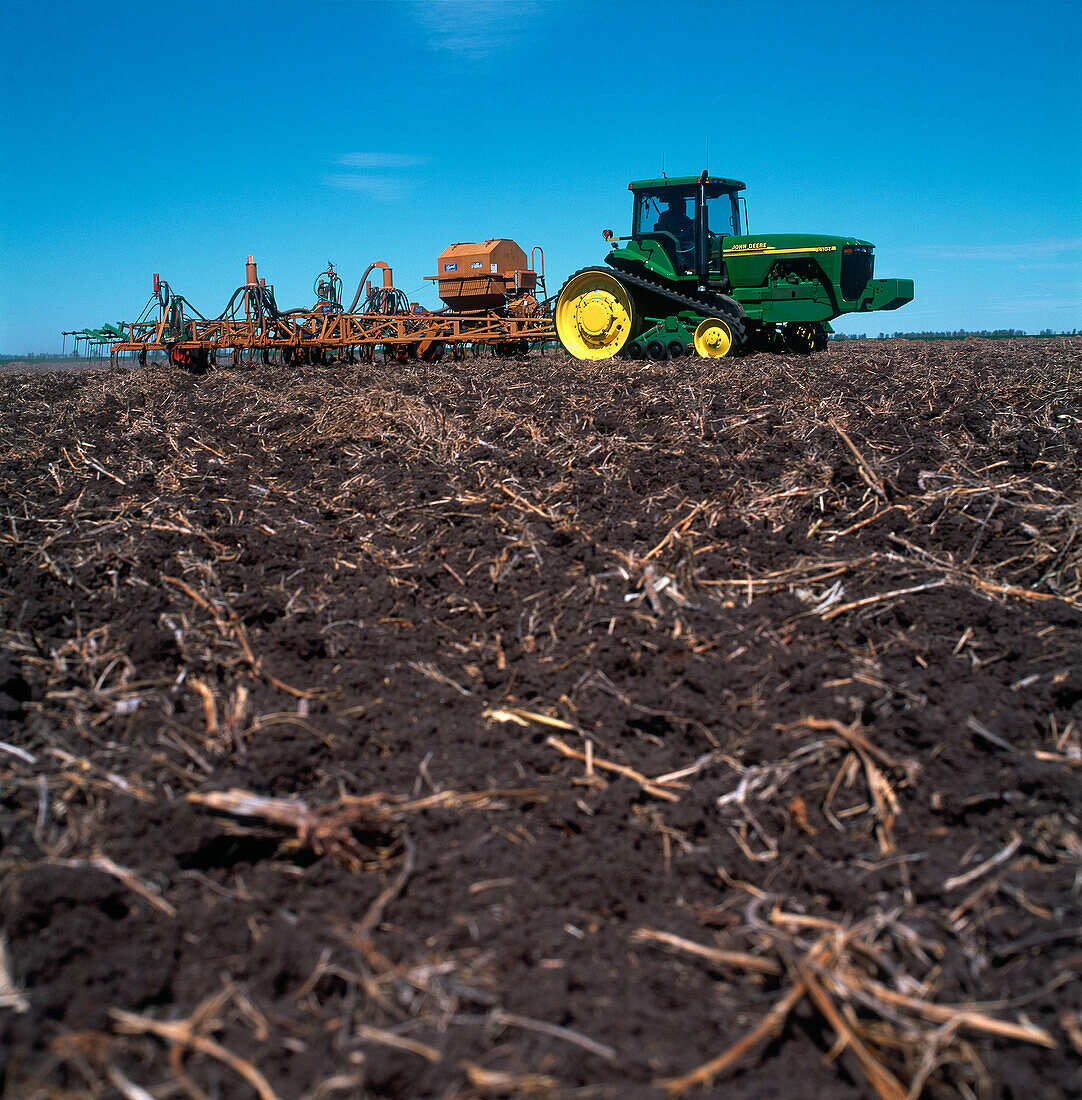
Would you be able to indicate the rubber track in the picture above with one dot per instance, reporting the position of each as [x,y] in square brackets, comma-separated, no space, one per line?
[727,308]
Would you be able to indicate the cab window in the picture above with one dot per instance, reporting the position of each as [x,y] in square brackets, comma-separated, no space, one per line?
[724,216]
[663,211]
[654,214]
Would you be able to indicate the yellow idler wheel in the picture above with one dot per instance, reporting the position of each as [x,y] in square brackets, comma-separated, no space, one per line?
[593,315]
[713,338]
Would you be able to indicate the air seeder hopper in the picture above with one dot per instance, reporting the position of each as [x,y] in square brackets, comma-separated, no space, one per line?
[483,276]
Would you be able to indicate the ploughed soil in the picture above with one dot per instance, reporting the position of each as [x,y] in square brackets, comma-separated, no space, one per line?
[544,728]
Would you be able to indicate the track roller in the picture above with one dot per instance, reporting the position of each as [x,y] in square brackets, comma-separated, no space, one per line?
[715,338]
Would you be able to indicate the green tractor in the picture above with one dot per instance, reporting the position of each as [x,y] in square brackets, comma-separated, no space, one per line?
[691,277]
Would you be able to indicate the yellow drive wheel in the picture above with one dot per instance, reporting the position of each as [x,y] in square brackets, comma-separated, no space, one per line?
[594,315]
[714,338]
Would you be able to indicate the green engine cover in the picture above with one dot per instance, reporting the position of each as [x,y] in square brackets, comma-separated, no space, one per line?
[776,277]
[805,277]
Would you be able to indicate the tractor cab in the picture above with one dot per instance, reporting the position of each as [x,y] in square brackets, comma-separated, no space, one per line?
[687,216]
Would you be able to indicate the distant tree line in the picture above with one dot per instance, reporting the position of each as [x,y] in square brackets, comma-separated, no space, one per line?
[958,334]
[31,355]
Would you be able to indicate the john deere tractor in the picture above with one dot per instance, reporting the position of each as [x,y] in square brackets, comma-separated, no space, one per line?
[690,276]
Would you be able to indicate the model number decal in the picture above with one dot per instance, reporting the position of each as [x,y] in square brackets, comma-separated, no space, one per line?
[762,247]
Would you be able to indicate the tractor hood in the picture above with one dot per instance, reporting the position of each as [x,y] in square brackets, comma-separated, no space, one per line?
[798,276]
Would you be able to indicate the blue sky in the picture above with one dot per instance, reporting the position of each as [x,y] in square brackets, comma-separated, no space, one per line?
[178,138]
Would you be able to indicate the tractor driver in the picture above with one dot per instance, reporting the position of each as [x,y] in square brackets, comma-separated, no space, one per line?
[675,220]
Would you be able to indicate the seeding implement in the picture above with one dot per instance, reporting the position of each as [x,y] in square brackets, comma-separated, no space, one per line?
[698,280]
[487,289]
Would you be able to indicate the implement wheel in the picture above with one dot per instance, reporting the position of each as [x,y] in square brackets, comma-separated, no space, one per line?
[594,314]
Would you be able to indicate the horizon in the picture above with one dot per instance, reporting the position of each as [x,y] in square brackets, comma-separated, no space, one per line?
[960,334]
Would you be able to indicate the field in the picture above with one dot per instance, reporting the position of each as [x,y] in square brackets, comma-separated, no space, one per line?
[544,728]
